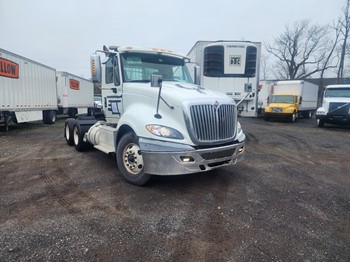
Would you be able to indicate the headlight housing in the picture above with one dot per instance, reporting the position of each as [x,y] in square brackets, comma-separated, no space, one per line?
[290,110]
[164,131]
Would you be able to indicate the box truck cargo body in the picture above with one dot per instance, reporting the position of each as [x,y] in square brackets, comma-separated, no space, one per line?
[264,94]
[291,99]
[75,95]
[230,67]
[27,89]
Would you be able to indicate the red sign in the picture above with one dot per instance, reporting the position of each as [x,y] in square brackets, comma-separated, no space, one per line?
[8,68]
[74,84]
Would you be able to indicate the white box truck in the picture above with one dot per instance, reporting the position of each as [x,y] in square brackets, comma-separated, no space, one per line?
[156,121]
[335,107]
[291,99]
[264,94]
[230,67]
[27,90]
[75,95]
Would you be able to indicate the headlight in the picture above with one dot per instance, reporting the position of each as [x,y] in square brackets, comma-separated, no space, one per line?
[290,110]
[164,131]
[321,112]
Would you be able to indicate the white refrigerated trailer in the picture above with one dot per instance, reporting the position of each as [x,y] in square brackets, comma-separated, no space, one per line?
[75,95]
[27,90]
[230,67]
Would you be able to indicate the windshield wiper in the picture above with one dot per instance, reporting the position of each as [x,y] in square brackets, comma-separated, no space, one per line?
[139,81]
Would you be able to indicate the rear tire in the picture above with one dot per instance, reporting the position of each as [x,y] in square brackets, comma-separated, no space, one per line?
[68,131]
[130,160]
[78,136]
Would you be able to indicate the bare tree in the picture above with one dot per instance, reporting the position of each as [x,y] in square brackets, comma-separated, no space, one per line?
[344,27]
[302,50]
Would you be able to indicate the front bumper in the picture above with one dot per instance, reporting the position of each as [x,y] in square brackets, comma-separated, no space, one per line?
[165,158]
[277,115]
[335,119]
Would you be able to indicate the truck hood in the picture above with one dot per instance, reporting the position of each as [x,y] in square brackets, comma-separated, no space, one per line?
[175,93]
[280,105]
[337,99]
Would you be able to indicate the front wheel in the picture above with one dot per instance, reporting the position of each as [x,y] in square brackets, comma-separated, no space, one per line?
[293,117]
[130,160]
[320,123]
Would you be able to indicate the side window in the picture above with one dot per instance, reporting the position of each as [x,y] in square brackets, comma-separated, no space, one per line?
[109,71]
[116,77]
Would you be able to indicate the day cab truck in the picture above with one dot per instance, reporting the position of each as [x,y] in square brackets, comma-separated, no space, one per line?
[292,99]
[155,120]
[335,107]
[230,67]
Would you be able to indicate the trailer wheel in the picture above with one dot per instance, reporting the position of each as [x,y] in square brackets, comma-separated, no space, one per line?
[49,117]
[68,131]
[320,122]
[130,160]
[78,136]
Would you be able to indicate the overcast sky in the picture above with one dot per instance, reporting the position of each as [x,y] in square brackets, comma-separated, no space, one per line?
[62,34]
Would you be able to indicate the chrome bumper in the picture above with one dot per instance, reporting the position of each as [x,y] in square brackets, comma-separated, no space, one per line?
[165,158]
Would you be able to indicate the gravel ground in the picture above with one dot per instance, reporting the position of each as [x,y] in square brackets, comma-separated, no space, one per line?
[288,201]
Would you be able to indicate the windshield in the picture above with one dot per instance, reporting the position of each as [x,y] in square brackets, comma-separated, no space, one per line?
[283,99]
[138,67]
[337,92]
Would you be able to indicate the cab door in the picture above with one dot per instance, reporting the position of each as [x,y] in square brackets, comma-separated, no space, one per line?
[112,90]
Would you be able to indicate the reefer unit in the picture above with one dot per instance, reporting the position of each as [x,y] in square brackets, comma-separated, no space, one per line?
[230,67]
[27,89]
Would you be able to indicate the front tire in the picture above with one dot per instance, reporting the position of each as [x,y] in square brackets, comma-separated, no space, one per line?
[293,117]
[130,160]
[320,122]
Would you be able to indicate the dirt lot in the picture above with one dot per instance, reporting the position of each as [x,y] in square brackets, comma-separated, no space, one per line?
[288,201]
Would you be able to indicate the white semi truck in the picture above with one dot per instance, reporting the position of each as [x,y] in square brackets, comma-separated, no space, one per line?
[335,107]
[230,67]
[31,91]
[156,121]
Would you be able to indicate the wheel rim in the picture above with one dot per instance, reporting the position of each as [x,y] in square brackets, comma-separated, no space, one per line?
[53,118]
[132,159]
[67,132]
[76,136]
[293,117]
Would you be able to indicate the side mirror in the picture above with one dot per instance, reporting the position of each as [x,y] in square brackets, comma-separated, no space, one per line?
[95,62]
[156,80]
[300,100]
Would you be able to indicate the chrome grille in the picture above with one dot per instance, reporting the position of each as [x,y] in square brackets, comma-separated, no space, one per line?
[339,108]
[212,124]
